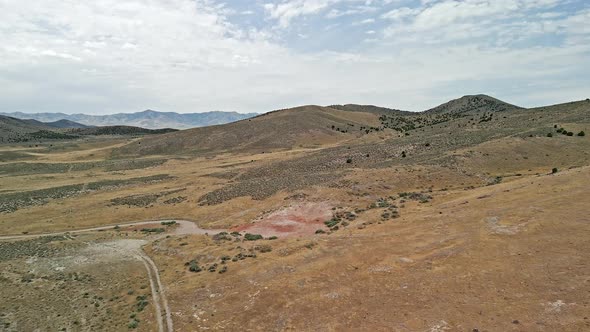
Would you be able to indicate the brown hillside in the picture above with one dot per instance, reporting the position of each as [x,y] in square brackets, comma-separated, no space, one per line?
[300,126]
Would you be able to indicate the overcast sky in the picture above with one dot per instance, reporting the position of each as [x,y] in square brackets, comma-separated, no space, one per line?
[108,56]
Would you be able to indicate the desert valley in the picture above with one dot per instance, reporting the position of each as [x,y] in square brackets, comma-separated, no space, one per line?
[470,216]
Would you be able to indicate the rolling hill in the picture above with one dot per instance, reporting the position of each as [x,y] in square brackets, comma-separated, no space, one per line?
[17,130]
[283,129]
[317,126]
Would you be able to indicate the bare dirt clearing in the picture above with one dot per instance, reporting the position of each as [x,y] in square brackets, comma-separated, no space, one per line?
[61,282]
[300,219]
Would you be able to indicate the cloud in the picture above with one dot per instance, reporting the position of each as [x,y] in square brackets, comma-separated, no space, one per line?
[286,11]
[108,56]
[140,48]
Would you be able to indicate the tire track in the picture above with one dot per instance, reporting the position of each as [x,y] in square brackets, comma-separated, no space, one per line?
[150,265]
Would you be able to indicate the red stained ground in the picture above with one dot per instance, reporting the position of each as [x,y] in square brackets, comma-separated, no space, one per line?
[297,220]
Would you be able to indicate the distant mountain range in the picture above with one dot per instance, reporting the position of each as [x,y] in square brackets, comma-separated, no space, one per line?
[14,130]
[146,119]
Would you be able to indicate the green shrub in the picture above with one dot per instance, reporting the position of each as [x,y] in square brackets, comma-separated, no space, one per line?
[252,237]
[331,223]
[142,302]
[569,133]
[193,266]
[133,324]
[554,170]
[273,238]
[550,135]
[582,133]
[168,223]
[320,231]
[153,230]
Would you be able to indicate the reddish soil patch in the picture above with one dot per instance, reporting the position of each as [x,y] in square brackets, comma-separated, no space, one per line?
[297,220]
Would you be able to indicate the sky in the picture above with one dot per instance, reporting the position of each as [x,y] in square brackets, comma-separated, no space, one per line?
[109,56]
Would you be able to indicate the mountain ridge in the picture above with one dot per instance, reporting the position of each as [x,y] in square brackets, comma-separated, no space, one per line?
[148,119]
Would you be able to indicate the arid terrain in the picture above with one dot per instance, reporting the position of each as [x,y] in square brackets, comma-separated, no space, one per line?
[470,216]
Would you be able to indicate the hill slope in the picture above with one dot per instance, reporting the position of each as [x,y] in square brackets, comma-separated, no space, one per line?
[306,125]
[461,122]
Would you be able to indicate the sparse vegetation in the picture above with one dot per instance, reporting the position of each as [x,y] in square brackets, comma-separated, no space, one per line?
[13,201]
[263,248]
[153,230]
[222,236]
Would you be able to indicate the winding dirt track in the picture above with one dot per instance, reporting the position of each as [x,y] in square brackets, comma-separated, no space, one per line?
[158,292]
[185,227]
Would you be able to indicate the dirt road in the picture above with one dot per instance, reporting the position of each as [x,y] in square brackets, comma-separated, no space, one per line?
[185,227]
